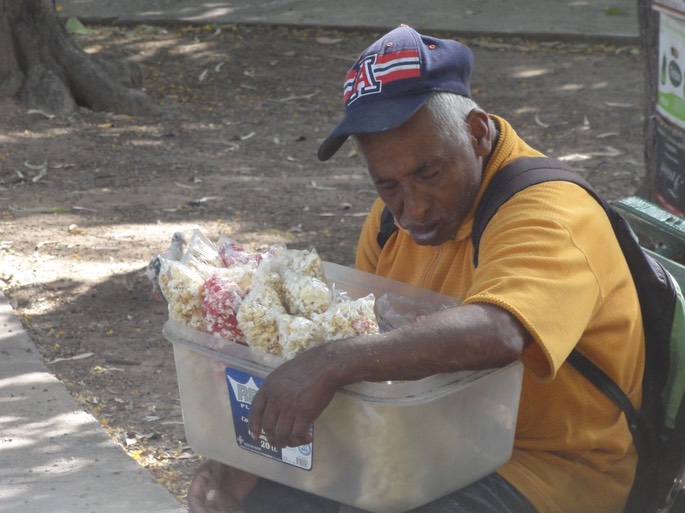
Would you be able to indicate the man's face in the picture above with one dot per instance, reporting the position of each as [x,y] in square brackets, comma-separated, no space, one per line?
[427,182]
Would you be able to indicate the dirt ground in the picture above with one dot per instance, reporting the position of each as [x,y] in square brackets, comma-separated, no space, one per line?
[86,201]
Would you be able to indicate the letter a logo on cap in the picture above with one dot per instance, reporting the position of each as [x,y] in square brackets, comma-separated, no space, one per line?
[363,82]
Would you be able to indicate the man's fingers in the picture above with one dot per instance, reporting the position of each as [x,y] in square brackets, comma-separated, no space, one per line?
[283,431]
[254,421]
[270,419]
[302,433]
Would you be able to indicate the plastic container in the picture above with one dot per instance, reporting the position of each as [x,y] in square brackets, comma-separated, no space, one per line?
[381,447]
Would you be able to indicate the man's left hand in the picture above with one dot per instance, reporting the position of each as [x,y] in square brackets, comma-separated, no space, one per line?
[293,396]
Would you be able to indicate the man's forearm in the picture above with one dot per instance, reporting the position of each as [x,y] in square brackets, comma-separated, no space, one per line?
[470,337]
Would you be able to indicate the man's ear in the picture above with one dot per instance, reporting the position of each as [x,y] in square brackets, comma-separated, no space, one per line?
[481,133]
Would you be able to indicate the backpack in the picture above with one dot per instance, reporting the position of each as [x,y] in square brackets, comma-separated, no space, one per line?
[658,428]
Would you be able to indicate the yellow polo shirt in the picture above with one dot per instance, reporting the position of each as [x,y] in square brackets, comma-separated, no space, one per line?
[550,258]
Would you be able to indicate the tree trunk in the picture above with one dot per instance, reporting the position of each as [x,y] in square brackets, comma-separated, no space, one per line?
[46,70]
[648,20]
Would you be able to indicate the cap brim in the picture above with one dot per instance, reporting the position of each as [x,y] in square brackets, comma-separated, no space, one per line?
[371,118]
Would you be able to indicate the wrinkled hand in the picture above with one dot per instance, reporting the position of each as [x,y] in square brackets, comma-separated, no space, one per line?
[293,396]
[218,488]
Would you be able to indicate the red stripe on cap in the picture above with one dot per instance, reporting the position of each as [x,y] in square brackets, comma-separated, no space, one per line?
[402,54]
[401,74]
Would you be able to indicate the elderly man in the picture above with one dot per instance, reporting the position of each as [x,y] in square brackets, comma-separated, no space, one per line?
[551,277]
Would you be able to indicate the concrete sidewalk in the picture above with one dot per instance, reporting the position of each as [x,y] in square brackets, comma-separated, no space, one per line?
[55,457]
[587,20]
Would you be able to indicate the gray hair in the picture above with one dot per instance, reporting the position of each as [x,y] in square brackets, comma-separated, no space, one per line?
[449,112]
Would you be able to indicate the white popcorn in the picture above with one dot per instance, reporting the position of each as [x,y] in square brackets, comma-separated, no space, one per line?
[182,288]
[268,274]
[296,334]
[242,275]
[258,319]
[304,261]
[305,295]
[348,318]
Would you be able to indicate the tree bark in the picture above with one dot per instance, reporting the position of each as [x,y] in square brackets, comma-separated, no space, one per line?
[42,66]
[648,20]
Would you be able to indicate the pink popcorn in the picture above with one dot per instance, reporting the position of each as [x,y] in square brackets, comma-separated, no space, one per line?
[233,254]
[221,300]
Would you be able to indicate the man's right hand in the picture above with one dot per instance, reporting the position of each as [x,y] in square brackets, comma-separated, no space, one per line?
[218,488]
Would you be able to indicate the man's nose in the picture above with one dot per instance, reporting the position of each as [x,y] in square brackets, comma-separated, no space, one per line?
[415,207]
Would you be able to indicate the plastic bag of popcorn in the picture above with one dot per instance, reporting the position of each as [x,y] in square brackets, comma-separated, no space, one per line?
[296,334]
[305,295]
[201,249]
[233,254]
[258,318]
[269,274]
[182,288]
[307,262]
[242,275]
[221,300]
[394,310]
[348,318]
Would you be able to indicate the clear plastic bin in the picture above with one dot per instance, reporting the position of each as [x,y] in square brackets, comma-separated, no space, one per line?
[385,448]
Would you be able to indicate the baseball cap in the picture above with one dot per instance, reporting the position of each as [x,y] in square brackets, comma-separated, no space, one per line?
[393,78]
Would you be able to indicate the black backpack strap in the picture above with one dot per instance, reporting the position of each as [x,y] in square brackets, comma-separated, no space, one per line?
[608,386]
[387,227]
[515,177]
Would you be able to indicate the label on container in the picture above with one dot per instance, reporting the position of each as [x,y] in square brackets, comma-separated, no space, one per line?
[242,387]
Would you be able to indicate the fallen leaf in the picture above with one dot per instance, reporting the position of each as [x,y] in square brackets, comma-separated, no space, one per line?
[74,26]
[184,186]
[321,187]
[41,167]
[537,120]
[40,175]
[37,111]
[69,358]
[83,209]
[297,97]
[324,40]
